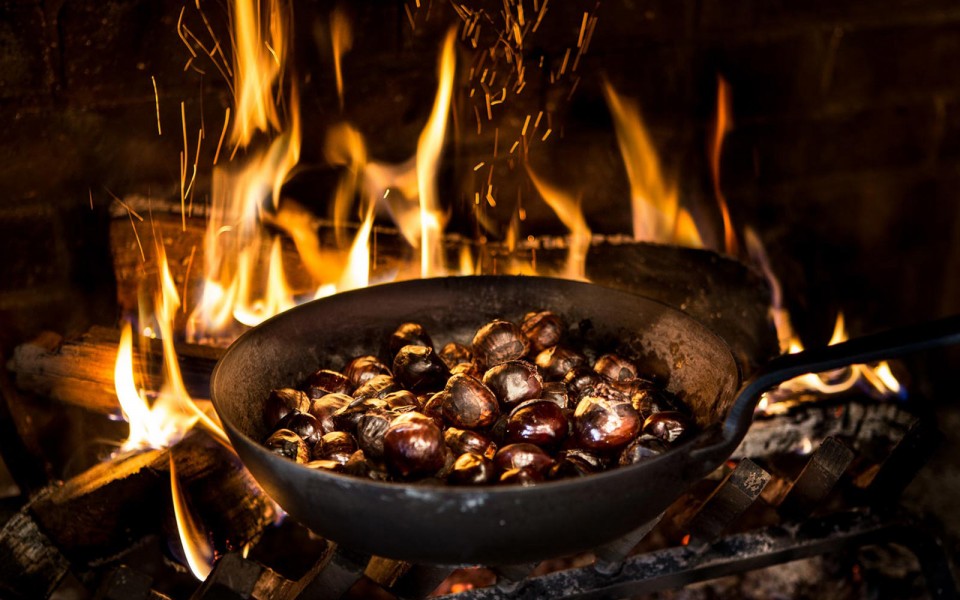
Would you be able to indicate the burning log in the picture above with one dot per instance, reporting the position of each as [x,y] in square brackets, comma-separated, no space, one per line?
[81,371]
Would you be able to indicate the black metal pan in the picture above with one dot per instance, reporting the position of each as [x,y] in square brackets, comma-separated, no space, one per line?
[493,524]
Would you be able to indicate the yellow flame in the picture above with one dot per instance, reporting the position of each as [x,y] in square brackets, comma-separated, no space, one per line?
[341,36]
[429,148]
[260,45]
[196,548]
[723,125]
[655,203]
[568,211]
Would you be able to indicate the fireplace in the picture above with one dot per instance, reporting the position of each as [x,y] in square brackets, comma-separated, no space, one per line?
[828,132]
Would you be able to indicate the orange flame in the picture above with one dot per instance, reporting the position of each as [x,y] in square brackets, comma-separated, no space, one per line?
[723,125]
[568,211]
[341,37]
[196,548]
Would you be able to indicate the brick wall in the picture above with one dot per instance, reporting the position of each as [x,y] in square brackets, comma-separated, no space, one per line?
[844,155]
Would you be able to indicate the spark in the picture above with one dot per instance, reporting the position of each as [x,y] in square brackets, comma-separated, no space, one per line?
[583,30]
[526,122]
[91,197]
[563,65]
[156,97]
[180,33]
[186,276]
[183,168]
[514,146]
[546,134]
[537,122]
[543,11]
[478,166]
[226,120]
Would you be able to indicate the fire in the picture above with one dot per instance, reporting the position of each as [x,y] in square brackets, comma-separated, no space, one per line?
[196,548]
[723,125]
[568,211]
[341,36]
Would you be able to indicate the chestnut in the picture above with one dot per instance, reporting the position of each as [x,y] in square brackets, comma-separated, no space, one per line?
[557,361]
[346,418]
[471,469]
[282,402]
[413,446]
[359,466]
[324,408]
[524,476]
[569,467]
[556,392]
[519,456]
[468,404]
[595,461]
[497,342]
[641,449]
[513,382]
[667,425]
[409,334]
[288,445]
[538,422]
[433,408]
[466,368]
[325,382]
[582,381]
[337,445]
[304,425]
[376,387]
[370,430]
[326,465]
[400,399]
[462,441]
[650,401]
[453,354]
[604,425]
[419,369]
[364,368]
[615,368]
[543,329]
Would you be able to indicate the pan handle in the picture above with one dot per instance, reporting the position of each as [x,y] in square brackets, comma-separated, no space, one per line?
[872,348]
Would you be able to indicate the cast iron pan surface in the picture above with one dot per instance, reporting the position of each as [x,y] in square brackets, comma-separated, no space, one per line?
[490,524]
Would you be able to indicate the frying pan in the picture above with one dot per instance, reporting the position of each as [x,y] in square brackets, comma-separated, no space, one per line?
[510,524]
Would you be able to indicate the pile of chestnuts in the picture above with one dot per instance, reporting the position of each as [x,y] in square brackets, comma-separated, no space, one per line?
[518,406]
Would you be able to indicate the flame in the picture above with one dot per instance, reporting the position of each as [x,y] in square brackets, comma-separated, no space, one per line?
[568,211]
[196,548]
[341,36]
[657,214]
[723,125]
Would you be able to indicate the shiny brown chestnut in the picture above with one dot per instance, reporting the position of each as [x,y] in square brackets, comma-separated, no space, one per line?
[304,425]
[523,455]
[615,368]
[400,399]
[324,408]
[556,392]
[466,368]
[377,387]
[595,461]
[468,404]
[346,418]
[570,467]
[667,425]
[462,441]
[413,446]
[557,361]
[336,445]
[289,445]
[642,449]
[543,329]
[324,381]
[471,469]
[582,381]
[537,422]
[433,408]
[651,401]
[282,402]
[326,465]
[453,354]
[359,466]
[603,425]
[371,428]
[364,368]
[497,342]
[513,382]
[524,476]
[419,369]
[409,334]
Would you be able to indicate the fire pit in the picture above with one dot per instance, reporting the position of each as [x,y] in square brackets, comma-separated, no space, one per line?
[324,149]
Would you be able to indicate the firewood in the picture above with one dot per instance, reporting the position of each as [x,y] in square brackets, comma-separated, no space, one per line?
[80,371]
[31,566]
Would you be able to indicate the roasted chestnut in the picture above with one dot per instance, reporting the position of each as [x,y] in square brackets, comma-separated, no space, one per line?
[453,354]
[336,445]
[400,399]
[524,476]
[513,382]
[364,368]
[376,387]
[596,462]
[324,408]
[346,418]
[466,368]
[569,467]
[667,425]
[557,361]
[433,408]
[582,381]
[468,404]
[289,445]
[413,445]
[282,402]
[497,342]
[615,368]
[519,456]
[543,329]
[650,401]
[327,465]
[604,425]
[537,422]
[325,382]
[419,369]
[304,425]
[359,466]
[471,469]
[370,430]
[556,392]
[462,441]
[409,334]
[641,449]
